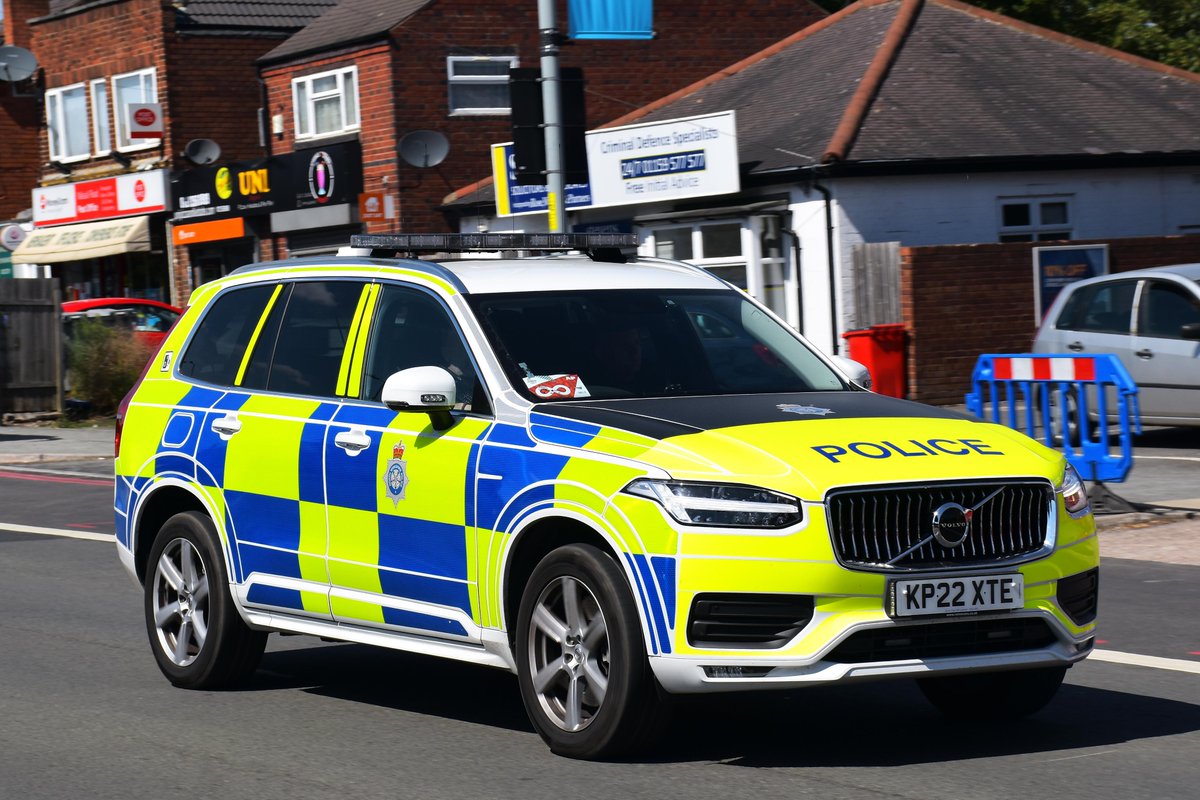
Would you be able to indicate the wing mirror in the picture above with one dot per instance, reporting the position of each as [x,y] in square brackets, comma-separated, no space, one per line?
[859,375]
[426,389]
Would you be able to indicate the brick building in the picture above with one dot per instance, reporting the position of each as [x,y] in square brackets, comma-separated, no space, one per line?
[19,132]
[102,193]
[344,92]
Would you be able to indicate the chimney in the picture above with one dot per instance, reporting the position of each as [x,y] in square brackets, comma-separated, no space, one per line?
[17,13]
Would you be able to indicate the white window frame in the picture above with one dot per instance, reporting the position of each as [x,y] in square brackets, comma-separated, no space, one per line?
[100,117]
[453,80]
[304,114]
[57,139]
[1036,230]
[149,84]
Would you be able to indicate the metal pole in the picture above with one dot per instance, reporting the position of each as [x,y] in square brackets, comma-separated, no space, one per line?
[552,117]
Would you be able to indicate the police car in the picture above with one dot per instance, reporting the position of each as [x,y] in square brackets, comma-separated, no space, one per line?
[620,478]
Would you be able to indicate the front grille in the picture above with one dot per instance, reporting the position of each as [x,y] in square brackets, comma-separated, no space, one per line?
[874,526]
[753,621]
[1078,595]
[945,639]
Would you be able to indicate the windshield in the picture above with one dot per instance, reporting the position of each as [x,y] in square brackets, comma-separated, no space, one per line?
[607,344]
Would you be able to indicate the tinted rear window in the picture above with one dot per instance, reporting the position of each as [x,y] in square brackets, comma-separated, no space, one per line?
[216,349]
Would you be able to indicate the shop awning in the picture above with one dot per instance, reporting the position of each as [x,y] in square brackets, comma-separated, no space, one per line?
[84,240]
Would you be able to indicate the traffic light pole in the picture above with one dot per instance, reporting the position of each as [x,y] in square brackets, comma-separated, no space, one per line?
[552,116]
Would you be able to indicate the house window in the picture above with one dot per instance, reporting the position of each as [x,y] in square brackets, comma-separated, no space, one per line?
[1034,219]
[326,103]
[128,89]
[479,85]
[101,127]
[67,123]
[716,246]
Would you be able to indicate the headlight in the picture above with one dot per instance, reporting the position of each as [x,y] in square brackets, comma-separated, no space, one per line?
[720,504]
[1074,493]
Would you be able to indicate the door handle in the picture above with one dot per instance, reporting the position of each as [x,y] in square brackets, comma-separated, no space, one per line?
[1075,347]
[226,426]
[1146,353]
[353,442]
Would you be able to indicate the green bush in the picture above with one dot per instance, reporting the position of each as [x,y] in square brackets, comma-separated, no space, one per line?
[104,363]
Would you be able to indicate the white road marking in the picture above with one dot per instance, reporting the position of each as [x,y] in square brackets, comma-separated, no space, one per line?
[1072,758]
[64,532]
[64,472]
[1168,458]
[1138,660]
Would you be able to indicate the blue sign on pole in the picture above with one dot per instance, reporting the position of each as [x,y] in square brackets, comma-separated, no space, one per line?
[610,19]
[513,198]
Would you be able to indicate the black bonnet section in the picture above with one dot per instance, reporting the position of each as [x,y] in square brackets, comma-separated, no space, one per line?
[663,417]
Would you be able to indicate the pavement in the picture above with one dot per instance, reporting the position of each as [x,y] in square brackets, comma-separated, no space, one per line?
[1165,535]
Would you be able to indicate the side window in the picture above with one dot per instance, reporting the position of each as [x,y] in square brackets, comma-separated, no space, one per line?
[1108,308]
[1165,308]
[412,329]
[1072,311]
[304,339]
[216,349]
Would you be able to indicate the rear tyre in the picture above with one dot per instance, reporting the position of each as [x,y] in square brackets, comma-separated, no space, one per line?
[196,634]
[993,696]
[581,662]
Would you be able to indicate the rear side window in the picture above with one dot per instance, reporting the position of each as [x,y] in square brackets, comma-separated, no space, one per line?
[1103,308]
[216,349]
[306,354]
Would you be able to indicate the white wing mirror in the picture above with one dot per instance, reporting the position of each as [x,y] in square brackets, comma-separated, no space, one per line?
[427,389]
[858,374]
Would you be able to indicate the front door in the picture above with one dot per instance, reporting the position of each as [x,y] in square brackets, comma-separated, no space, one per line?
[1168,366]
[401,494]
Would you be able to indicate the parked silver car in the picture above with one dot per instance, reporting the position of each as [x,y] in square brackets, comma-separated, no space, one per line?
[1150,319]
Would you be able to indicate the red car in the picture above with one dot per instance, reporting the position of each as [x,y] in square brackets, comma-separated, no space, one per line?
[149,319]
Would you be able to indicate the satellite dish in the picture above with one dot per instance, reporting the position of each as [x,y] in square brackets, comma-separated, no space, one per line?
[202,151]
[424,148]
[16,63]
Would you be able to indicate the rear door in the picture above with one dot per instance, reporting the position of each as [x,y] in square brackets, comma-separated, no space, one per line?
[1168,365]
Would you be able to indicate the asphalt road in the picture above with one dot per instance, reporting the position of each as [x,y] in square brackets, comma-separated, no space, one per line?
[86,714]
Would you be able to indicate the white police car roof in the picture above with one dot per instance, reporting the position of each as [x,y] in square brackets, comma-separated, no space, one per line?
[570,272]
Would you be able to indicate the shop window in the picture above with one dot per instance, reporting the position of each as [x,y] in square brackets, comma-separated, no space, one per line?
[67,123]
[131,88]
[326,103]
[101,127]
[479,84]
[1034,219]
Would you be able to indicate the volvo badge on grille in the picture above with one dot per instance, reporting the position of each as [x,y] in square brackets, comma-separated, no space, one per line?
[951,524]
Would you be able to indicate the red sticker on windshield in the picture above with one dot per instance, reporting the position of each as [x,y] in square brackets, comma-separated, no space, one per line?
[556,387]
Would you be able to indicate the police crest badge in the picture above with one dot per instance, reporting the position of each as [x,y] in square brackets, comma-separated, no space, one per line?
[395,477]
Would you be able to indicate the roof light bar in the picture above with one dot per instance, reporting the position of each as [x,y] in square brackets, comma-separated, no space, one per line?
[465,242]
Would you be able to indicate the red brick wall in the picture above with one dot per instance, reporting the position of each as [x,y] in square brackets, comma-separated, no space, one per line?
[961,301]
[19,130]
[16,14]
[694,38]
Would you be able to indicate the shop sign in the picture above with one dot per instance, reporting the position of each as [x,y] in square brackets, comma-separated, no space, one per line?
[11,237]
[145,120]
[671,160]
[304,179]
[107,198]
[514,199]
[212,231]
[376,207]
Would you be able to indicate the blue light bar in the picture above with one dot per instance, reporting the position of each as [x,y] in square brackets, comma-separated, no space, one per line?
[465,242]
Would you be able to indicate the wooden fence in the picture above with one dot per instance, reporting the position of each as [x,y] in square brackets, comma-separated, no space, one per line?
[31,350]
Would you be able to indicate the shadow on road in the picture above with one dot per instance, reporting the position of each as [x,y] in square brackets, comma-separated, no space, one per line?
[870,725]
[26,437]
[1169,438]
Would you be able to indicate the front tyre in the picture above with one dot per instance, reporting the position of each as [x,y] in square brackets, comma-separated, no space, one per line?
[993,696]
[196,634]
[581,663]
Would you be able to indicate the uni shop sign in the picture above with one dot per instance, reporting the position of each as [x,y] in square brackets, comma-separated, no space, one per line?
[329,175]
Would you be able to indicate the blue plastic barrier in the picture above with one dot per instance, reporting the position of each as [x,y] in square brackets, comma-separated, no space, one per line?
[1058,393]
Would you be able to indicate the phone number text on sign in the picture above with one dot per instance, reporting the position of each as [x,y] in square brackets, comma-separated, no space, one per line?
[669,164]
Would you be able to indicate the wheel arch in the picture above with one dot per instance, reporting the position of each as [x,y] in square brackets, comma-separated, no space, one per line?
[163,502]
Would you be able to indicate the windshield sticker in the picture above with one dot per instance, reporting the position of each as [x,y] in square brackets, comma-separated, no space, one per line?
[166,361]
[815,411]
[556,387]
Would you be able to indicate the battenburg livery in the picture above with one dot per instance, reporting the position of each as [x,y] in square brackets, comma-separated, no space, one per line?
[615,477]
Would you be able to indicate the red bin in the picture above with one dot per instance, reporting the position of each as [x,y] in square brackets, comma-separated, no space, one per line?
[880,348]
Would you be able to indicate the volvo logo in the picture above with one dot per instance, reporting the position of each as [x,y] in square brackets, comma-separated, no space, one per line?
[951,524]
